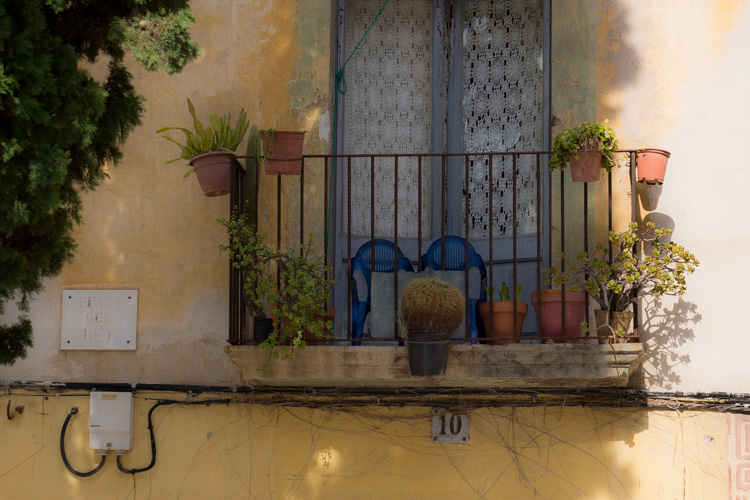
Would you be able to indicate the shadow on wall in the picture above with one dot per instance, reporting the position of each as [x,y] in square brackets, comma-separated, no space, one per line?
[593,61]
[618,64]
[665,331]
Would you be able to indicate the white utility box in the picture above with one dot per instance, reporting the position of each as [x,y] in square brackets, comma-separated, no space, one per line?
[111,422]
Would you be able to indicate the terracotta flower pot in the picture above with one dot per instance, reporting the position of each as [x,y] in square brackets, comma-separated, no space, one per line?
[617,320]
[550,316]
[587,166]
[502,321]
[652,165]
[284,153]
[214,172]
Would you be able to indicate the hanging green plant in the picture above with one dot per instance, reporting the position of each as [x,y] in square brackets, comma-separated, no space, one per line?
[593,136]
[220,136]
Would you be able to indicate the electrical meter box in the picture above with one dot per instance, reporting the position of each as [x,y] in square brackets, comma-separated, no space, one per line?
[111,422]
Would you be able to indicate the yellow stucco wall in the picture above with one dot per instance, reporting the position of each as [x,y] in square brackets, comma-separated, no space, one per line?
[666,74]
[246,450]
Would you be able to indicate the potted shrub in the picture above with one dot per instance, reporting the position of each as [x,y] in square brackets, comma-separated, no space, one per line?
[430,310]
[503,331]
[210,150]
[296,300]
[617,282]
[588,148]
[281,151]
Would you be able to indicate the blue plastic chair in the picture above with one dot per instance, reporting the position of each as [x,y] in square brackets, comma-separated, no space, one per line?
[361,262]
[455,260]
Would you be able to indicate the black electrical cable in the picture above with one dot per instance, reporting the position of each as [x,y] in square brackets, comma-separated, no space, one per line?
[73,411]
[151,430]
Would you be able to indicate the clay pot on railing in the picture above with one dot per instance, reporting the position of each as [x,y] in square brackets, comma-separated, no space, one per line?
[652,165]
[586,166]
[214,170]
[282,151]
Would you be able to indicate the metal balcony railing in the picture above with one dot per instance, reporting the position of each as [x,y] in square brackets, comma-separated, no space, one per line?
[558,202]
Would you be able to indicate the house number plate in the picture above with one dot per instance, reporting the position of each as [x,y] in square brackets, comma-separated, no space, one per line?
[449,427]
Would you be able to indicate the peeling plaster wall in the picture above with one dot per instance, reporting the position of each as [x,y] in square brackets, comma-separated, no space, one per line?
[149,229]
[253,451]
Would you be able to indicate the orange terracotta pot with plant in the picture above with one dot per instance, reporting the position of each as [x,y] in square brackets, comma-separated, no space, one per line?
[504,326]
[587,148]
[210,150]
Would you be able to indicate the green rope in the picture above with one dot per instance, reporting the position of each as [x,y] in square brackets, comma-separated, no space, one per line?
[341,88]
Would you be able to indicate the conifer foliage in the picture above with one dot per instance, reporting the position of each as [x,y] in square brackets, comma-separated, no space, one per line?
[58,126]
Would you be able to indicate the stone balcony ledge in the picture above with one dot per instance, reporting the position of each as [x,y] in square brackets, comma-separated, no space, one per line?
[469,366]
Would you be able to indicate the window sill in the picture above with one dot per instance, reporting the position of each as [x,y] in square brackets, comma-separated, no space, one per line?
[469,366]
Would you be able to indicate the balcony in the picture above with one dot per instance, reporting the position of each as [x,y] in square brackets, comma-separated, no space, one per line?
[505,208]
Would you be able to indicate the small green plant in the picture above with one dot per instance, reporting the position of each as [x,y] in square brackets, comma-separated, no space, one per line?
[504,292]
[618,282]
[220,136]
[587,136]
[296,300]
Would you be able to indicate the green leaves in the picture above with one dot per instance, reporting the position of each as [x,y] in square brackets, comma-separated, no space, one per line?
[504,292]
[596,135]
[222,137]
[159,39]
[296,300]
[617,283]
[15,339]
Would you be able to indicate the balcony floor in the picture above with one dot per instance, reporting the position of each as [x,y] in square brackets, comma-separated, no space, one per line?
[469,366]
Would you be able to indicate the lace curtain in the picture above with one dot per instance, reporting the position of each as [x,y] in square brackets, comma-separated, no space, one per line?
[501,108]
[388,110]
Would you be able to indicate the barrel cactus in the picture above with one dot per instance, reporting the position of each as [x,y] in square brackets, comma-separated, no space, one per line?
[428,304]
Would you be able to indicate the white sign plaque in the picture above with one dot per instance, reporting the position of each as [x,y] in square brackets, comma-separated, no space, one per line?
[99,319]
